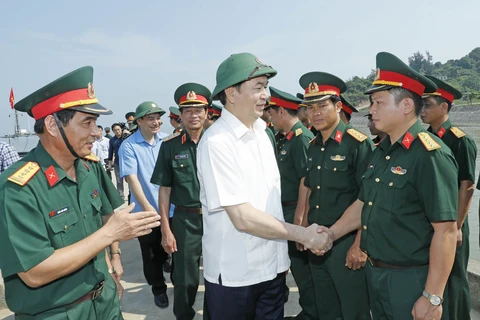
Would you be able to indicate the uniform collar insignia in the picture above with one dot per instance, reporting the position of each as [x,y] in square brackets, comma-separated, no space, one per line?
[441,132]
[51,176]
[407,140]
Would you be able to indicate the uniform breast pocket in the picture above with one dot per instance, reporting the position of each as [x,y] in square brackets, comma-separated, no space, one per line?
[335,173]
[97,211]
[397,194]
[65,229]
[183,170]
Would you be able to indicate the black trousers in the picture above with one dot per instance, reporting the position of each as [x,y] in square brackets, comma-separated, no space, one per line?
[258,301]
[153,256]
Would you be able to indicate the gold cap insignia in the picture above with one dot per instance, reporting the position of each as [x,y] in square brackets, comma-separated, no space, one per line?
[313,87]
[91,91]
[191,95]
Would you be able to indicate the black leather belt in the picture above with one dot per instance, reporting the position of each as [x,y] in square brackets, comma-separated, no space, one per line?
[380,264]
[289,203]
[190,210]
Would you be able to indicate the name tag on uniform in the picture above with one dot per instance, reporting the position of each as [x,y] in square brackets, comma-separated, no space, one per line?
[181,156]
[59,211]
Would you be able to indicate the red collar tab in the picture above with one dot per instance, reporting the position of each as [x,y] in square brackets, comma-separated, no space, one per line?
[390,78]
[283,103]
[184,138]
[441,132]
[51,176]
[192,97]
[290,135]
[314,90]
[338,136]
[63,101]
[445,94]
[407,140]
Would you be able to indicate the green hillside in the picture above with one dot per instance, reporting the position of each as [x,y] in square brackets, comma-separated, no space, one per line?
[463,74]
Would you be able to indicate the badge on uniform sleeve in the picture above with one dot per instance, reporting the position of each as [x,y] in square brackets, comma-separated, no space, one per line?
[398,170]
[181,156]
[337,158]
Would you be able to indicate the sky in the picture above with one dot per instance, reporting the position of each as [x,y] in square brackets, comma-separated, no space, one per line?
[144,50]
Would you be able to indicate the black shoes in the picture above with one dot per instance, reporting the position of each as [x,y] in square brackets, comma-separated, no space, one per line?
[161,300]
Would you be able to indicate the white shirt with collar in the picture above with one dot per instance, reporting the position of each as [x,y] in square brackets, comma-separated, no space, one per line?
[237,165]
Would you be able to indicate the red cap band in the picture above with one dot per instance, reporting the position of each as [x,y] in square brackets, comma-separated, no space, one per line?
[320,90]
[399,80]
[174,116]
[445,94]
[62,101]
[283,103]
[197,98]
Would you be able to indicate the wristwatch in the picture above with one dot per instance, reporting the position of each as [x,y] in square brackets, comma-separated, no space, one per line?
[434,300]
[118,251]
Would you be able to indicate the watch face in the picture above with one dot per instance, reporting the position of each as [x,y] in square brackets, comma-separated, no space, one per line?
[435,300]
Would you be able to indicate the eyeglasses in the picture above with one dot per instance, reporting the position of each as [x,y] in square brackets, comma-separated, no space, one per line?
[260,66]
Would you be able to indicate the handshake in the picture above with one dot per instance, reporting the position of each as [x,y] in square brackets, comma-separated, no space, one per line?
[318,239]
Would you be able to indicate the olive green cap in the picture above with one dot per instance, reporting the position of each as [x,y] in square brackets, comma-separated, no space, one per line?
[237,68]
[174,112]
[347,107]
[283,99]
[107,129]
[192,95]
[300,96]
[394,73]
[73,91]
[444,90]
[320,86]
[129,116]
[146,108]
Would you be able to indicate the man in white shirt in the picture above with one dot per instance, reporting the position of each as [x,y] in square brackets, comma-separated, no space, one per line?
[100,146]
[244,241]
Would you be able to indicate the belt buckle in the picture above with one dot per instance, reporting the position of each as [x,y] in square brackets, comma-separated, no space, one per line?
[370,260]
[97,291]
[200,211]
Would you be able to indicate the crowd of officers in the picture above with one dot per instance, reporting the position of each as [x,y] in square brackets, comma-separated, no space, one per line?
[406,256]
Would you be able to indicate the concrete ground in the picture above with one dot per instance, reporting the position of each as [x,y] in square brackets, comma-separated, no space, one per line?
[137,303]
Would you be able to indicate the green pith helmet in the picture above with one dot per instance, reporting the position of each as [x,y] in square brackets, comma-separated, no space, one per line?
[146,108]
[73,91]
[444,90]
[192,95]
[283,99]
[237,68]
[320,86]
[130,116]
[394,73]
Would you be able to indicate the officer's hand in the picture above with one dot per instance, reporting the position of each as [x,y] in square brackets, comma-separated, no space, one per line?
[423,310]
[123,225]
[320,239]
[356,258]
[459,237]
[117,266]
[168,241]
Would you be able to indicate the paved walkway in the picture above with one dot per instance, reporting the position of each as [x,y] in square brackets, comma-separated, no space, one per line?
[137,303]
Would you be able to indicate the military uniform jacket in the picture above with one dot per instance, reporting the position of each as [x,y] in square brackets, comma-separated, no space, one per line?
[42,210]
[176,168]
[463,148]
[408,185]
[334,172]
[292,160]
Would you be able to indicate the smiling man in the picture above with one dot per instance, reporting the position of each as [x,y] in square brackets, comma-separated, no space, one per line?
[176,174]
[244,248]
[138,155]
[53,202]
[407,206]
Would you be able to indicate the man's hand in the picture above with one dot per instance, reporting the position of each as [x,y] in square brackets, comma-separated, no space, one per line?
[423,309]
[320,239]
[356,258]
[168,241]
[123,225]
[459,237]
[117,266]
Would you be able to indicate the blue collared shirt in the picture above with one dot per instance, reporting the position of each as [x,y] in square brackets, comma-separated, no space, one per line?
[137,156]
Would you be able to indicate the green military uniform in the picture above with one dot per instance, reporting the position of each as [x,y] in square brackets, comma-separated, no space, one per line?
[108,135]
[409,184]
[43,210]
[464,150]
[334,171]
[176,168]
[292,164]
[175,114]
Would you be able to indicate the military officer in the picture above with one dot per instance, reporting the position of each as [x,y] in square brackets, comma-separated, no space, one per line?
[107,133]
[214,112]
[407,206]
[53,202]
[175,120]
[436,114]
[347,110]
[292,163]
[337,159]
[176,174]
[303,116]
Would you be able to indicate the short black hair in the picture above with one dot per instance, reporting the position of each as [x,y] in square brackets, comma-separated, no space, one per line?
[116,125]
[439,100]
[223,97]
[399,94]
[100,127]
[63,115]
